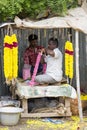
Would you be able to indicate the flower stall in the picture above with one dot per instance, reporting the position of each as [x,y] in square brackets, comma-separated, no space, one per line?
[25,92]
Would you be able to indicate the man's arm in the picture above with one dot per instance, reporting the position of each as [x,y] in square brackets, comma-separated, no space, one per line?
[50,52]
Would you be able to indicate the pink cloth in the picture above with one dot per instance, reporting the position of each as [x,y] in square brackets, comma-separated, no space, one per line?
[35,70]
[26,73]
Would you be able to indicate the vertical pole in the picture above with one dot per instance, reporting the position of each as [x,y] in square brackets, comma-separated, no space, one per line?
[77,75]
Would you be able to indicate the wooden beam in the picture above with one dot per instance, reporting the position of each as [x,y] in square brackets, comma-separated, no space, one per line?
[25,105]
[67,106]
[77,75]
[44,115]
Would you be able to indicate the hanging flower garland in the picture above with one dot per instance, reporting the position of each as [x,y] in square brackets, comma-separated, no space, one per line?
[6,56]
[14,56]
[10,57]
[69,59]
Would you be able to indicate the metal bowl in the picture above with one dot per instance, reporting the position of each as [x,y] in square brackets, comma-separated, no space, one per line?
[10,115]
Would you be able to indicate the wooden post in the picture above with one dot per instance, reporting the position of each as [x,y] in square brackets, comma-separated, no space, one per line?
[77,75]
[25,105]
[67,106]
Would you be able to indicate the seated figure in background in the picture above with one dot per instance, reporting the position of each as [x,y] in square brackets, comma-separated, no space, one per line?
[30,54]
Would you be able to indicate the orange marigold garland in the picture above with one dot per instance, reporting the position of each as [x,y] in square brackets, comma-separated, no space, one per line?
[10,57]
[69,59]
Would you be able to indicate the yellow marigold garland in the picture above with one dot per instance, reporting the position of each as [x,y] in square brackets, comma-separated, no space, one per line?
[83,97]
[10,57]
[15,56]
[69,59]
[6,56]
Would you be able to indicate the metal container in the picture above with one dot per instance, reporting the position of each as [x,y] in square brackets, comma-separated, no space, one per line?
[10,115]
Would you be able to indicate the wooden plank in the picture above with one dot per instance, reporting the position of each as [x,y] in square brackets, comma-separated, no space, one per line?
[25,105]
[78,75]
[67,106]
[43,115]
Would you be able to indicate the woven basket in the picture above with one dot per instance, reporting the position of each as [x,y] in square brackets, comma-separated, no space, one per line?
[74,106]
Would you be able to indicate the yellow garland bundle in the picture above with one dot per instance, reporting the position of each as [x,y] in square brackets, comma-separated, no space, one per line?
[83,97]
[69,59]
[10,57]
[15,56]
[6,56]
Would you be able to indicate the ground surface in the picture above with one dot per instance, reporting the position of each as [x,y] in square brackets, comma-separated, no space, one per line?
[72,123]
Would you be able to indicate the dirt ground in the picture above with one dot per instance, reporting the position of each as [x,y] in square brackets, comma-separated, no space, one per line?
[71,123]
[60,123]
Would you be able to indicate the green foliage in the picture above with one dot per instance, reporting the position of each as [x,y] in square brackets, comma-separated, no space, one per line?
[60,7]
[10,8]
[31,8]
[57,7]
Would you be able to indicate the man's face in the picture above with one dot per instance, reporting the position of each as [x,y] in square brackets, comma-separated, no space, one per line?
[51,45]
[34,42]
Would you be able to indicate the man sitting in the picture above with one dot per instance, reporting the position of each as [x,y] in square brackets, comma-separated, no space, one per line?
[53,59]
[30,54]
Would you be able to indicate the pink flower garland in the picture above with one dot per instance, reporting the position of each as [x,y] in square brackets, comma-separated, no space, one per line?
[32,82]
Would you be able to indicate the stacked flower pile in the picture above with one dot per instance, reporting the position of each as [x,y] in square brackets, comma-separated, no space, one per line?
[69,59]
[10,57]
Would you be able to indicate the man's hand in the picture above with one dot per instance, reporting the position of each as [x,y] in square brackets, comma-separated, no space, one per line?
[43,51]
[50,52]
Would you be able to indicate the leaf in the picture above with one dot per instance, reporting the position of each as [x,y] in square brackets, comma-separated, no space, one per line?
[31,8]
